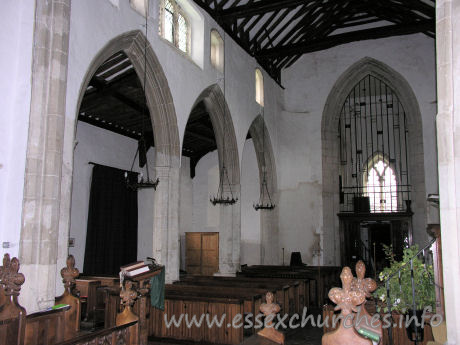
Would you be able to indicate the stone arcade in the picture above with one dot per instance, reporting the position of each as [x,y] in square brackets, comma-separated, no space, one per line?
[234,84]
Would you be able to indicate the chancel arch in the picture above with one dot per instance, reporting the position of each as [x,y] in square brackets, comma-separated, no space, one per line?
[210,145]
[161,235]
[371,113]
[269,250]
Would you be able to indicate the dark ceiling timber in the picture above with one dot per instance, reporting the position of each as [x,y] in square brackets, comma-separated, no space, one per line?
[278,32]
[335,40]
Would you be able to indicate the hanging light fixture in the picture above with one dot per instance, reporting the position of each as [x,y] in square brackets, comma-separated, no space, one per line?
[140,183]
[263,203]
[224,197]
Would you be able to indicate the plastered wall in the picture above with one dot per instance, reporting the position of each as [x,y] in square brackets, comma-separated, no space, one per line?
[16,32]
[308,83]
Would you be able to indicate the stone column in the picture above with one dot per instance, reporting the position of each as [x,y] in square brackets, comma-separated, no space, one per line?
[166,221]
[448,136]
[41,205]
[270,249]
[230,235]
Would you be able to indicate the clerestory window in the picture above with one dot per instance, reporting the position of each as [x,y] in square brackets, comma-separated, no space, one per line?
[217,51]
[259,81]
[174,25]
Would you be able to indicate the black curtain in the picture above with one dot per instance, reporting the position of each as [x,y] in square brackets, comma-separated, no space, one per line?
[111,238]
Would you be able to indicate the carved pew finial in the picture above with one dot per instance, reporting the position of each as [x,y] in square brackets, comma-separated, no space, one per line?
[365,325]
[10,287]
[10,278]
[367,285]
[346,300]
[128,296]
[72,316]
[69,273]
[270,309]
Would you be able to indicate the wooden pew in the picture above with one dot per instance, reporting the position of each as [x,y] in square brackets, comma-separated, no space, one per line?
[87,289]
[73,313]
[47,327]
[12,315]
[125,334]
[53,326]
[252,298]
[322,278]
[289,293]
[44,328]
[199,305]
[190,303]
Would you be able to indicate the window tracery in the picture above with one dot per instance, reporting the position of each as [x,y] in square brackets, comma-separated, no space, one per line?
[174,25]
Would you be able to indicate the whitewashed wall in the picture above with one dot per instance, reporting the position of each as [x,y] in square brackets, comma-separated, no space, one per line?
[205,217]
[197,214]
[16,32]
[308,83]
[106,148]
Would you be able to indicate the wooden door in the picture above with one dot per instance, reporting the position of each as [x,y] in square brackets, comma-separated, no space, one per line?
[202,253]
[193,252]
[209,253]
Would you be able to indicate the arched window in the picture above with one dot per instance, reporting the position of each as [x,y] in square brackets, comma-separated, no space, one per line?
[259,87]
[217,51]
[140,6]
[373,150]
[380,186]
[174,25]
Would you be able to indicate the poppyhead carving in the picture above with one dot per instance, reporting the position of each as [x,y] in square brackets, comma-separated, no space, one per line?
[10,278]
[69,273]
[367,285]
[127,294]
[346,299]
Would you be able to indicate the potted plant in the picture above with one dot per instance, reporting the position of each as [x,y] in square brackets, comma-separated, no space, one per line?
[400,287]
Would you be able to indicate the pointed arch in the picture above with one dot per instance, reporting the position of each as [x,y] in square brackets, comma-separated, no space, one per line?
[158,94]
[219,113]
[269,219]
[167,146]
[330,146]
[230,216]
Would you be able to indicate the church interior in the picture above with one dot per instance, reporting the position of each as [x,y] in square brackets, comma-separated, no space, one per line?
[257,160]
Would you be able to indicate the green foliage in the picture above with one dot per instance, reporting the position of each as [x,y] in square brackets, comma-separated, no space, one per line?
[401,285]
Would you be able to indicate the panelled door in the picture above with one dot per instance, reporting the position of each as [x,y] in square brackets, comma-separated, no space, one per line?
[202,253]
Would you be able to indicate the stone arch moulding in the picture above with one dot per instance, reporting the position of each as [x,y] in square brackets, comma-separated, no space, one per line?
[268,219]
[329,144]
[230,216]
[165,233]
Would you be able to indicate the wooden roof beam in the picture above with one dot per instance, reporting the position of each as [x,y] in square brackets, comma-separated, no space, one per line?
[260,7]
[335,40]
[110,90]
